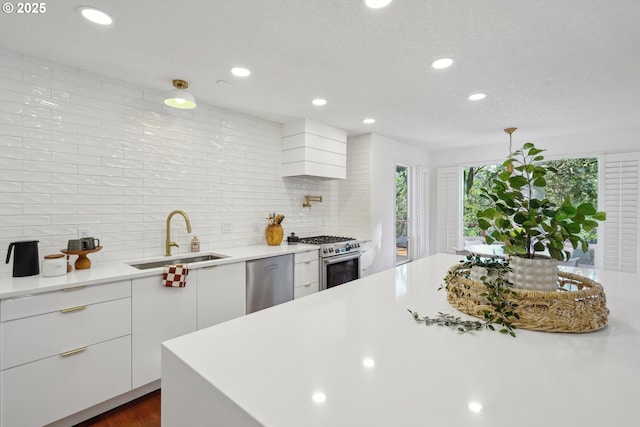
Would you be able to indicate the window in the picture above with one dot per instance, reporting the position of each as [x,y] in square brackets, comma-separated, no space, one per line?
[575,178]
[619,182]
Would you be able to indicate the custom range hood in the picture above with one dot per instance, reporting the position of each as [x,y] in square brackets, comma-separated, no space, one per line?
[313,149]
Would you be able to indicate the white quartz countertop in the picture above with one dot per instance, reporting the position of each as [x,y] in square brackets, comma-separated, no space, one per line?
[109,272]
[357,346]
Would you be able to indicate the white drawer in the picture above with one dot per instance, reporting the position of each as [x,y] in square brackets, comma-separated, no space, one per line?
[30,305]
[37,337]
[41,392]
[303,291]
[306,272]
[299,257]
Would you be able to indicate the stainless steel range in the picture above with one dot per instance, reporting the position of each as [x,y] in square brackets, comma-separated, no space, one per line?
[339,259]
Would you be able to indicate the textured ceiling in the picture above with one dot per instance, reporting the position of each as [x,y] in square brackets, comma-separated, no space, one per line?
[548,67]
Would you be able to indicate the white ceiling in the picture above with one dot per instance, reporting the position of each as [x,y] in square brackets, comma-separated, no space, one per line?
[548,67]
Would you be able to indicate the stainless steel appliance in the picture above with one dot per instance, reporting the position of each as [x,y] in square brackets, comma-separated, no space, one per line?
[339,259]
[269,282]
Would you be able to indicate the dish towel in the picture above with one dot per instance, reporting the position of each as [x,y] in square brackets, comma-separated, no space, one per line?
[175,276]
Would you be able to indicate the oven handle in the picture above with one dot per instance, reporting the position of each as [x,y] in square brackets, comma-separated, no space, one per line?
[341,258]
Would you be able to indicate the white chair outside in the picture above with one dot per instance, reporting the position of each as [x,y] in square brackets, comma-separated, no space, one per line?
[573,262]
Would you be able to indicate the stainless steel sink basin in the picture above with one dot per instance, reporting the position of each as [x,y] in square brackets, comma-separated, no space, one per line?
[180,260]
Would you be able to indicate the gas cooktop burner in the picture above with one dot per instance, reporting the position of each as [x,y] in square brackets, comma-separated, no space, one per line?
[323,240]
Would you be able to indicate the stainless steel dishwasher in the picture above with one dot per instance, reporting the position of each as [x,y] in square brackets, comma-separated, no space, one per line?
[269,282]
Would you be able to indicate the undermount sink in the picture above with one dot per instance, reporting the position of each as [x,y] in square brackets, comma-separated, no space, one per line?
[179,260]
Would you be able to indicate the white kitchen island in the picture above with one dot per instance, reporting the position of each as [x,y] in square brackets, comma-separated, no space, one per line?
[354,356]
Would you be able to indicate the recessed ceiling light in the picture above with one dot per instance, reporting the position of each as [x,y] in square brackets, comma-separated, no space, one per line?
[369,121]
[377,4]
[319,397]
[475,407]
[240,72]
[319,102]
[477,96]
[94,15]
[442,63]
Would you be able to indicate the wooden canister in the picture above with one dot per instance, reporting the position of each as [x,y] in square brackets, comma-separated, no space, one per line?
[274,234]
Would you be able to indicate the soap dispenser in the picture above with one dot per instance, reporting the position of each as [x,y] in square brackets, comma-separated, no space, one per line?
[195,244]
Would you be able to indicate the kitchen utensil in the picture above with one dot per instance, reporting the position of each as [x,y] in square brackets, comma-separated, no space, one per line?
[25,258]
[89,243]
[274,233]
[293,239]
[74,245]
[54,265]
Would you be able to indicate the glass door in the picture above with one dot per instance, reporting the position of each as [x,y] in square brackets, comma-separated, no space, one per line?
[402,214]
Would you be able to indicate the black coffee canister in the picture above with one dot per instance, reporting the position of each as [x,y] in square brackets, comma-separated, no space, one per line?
[26,261]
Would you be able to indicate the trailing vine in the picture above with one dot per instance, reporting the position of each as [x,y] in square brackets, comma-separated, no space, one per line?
[498,289]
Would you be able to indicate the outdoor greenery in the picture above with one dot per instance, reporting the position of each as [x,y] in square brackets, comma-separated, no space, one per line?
[575,178]
[401,201]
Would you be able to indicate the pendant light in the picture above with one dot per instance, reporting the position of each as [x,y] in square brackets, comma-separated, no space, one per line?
[510,131]
[179,97]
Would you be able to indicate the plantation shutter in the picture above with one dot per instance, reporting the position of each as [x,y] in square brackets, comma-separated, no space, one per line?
[449,222]
[421,211]
[620,202]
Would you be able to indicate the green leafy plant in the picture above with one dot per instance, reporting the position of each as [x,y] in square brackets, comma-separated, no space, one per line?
[524,219]
[450,321]
[498,288]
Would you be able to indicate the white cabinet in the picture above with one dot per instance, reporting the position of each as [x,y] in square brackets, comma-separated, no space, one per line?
[63,351]
[221,293]
[159,313]
[306,273]
[366,260]
[313,149]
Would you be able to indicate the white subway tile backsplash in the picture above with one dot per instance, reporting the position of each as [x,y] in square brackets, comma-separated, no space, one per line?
[76,219]
[47,82]
[48,188]
[104,190]
[17,107]
[103,95]
[49,209]
[34,122]
[10,96]
[24,132]
[83,150]
[71,179]
[44,166]
[75,199]
[9,209]
[23,220]
[25,176]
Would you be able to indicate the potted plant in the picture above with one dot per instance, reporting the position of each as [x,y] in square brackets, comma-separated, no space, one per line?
[529,224]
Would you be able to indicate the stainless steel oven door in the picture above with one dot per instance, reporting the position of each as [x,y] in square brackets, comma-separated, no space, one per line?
[339,269]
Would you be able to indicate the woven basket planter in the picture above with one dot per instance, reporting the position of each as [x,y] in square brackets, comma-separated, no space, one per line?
[579,304]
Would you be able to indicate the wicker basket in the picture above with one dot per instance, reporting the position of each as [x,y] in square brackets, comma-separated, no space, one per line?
[579,304]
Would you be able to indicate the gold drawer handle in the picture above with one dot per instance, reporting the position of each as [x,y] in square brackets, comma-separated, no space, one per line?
[308,262]
[308,284]
[72,309]
[70,352]
[75,288]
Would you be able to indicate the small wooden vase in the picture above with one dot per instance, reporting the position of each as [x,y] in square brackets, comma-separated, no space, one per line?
[274,234]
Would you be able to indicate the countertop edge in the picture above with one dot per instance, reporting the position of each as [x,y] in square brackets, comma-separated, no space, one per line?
[12,287]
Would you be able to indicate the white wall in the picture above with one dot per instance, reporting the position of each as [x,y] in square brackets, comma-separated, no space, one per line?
[561,146]
[79,150]
[377,187]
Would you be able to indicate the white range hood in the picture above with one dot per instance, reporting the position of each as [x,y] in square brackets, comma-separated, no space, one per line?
[313,149]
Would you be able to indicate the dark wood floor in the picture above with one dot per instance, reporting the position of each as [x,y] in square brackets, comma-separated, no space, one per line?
[142,412]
